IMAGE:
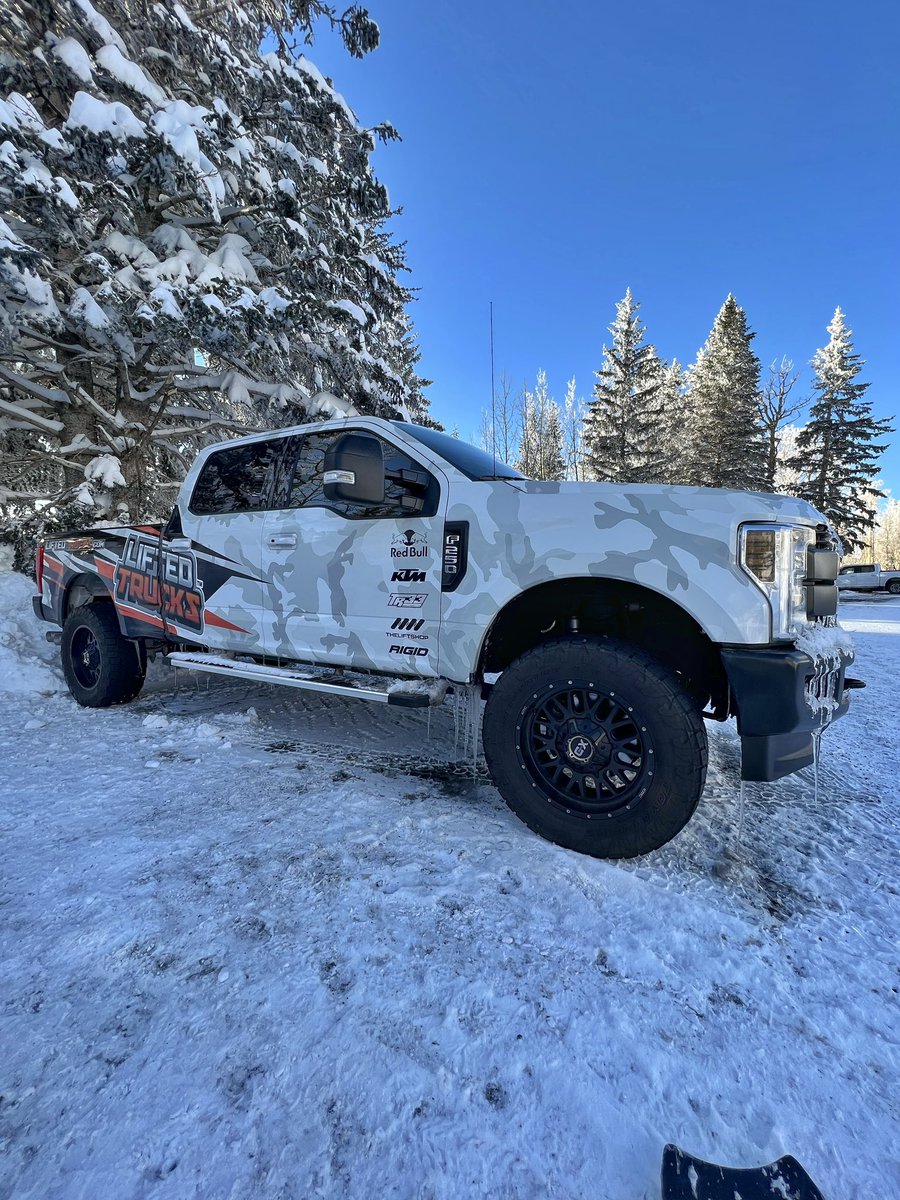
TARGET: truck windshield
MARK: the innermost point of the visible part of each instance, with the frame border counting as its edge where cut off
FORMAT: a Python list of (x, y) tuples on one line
[(475, 463)]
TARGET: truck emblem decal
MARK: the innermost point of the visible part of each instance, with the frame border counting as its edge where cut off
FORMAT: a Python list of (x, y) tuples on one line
[(412, 651), (137, 581), (455, 555), (408, 575), (407, 599), (409, 544), (406, 623)]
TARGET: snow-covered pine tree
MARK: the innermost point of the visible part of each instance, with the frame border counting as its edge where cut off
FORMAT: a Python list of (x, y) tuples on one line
[(838, 451), (670, 462), (192, 244), (541, 439), (727, 449), (528, 460), (622, 423), (553, 465), (573, 432)]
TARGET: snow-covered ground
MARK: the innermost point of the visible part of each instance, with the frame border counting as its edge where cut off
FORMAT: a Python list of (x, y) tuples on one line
[(256, 944)]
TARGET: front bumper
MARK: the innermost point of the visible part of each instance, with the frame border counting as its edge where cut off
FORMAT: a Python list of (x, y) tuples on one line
[(775, 722)]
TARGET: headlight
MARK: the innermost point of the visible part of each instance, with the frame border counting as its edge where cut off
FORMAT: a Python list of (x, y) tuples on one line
[(775, 557)]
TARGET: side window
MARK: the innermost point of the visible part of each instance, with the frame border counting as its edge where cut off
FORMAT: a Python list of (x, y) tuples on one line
[(237, 479), (309, 465), (307, 484)]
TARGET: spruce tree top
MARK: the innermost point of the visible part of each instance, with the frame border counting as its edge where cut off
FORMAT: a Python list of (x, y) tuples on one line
[(727, 449), (838, 449)]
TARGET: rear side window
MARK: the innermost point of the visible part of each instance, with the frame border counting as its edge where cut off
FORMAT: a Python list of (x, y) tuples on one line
[(237, 479)]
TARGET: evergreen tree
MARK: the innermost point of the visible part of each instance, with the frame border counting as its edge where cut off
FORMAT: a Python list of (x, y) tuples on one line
[(621, 427), (192, 245), (573, 433), (541, 440), (553, 465), (529, 456), (838, 450), (727, 449), (671, 458)]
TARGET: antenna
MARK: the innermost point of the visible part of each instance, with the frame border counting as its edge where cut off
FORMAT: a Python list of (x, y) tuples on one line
[(493, 395)]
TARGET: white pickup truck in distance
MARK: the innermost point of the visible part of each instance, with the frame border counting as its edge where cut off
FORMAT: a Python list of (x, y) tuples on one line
[(868, 577), (601, 623)]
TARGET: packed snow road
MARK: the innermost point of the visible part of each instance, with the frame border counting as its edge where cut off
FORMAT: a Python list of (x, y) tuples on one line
[(256, 944)]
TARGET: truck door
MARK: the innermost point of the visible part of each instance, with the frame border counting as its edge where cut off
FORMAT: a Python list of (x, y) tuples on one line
[(351, 584), (224, 521)]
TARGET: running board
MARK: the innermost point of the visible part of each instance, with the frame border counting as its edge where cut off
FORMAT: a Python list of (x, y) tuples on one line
[(289, 677)]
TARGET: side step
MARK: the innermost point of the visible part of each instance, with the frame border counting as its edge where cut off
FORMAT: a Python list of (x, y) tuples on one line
[(291, 677)]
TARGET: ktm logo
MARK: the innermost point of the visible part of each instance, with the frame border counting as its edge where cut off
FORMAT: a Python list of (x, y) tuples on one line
[(407, 575), (406, 623)]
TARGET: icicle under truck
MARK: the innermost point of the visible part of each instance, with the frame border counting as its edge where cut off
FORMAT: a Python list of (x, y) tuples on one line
[(601, 623)]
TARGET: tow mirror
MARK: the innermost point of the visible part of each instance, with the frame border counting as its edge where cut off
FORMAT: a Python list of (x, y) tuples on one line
[(354, 469)]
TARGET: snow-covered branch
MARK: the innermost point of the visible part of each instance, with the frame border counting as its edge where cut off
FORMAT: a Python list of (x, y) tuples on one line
[(45, 424)]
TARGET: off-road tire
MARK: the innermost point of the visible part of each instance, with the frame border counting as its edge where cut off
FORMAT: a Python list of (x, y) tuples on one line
[(100, 665), (894, 587), (631, 711)]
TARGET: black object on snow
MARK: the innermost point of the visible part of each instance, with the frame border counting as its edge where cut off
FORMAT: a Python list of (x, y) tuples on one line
[(687, 1178)]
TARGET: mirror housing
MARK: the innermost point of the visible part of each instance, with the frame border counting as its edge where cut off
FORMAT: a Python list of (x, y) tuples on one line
[(354, 469)]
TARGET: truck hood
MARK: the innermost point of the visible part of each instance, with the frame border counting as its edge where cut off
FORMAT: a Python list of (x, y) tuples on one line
[(729, 504)]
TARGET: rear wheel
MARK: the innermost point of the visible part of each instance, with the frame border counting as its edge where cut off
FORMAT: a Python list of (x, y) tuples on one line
[(100, 665), (894, 587), (596, 746)]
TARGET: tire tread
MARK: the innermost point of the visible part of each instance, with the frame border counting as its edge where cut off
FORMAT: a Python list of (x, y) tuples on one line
[(590, 837), (123, 669)]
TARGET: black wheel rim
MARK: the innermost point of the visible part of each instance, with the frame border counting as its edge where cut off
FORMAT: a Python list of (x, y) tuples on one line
[(85, 654), (587, 750)]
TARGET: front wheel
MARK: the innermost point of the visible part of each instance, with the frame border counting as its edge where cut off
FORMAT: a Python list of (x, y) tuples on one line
[(100, 665), (894, 587), (596, 746)]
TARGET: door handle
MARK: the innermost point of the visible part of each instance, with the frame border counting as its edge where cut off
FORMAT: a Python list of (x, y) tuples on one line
[(283, 540)]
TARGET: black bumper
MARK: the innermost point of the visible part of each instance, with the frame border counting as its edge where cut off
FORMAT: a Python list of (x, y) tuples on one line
[(40, 610), (774, 720)]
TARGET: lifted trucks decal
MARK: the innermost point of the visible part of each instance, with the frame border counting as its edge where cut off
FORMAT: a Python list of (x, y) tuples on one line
[(137, 581)]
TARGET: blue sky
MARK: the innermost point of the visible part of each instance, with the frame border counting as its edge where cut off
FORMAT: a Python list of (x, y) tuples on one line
[(554, 155)]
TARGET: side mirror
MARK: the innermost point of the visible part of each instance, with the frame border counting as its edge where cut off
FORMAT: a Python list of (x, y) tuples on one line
[(354, 469)]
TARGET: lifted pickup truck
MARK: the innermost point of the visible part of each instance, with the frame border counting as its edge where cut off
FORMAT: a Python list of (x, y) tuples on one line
[(868, 577), (601, 623)]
